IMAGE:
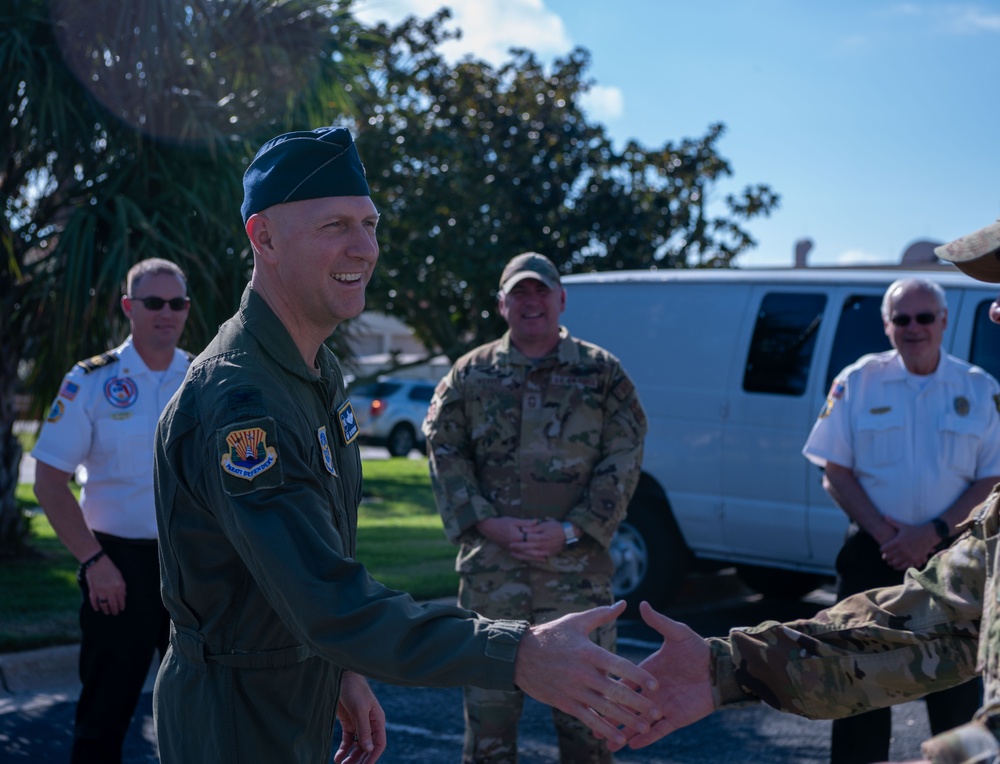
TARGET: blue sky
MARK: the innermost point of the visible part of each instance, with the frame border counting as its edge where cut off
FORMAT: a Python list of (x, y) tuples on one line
[(877, 122)]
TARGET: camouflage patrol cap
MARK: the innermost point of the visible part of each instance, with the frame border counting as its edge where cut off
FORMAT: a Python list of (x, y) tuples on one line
[(529, 265), (977, 253)]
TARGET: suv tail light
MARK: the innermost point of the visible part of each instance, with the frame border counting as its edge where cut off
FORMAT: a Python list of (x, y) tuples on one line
[(378, 407)]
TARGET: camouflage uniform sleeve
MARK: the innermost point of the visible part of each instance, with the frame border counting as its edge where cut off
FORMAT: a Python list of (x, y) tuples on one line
[(874, 649), (449, 451), (615, 476)]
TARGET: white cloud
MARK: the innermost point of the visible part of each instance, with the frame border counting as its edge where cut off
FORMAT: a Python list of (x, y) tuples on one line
[(969, 19), (857, 257), (904, 9), (951, 18), (603, 102), (489, 27)]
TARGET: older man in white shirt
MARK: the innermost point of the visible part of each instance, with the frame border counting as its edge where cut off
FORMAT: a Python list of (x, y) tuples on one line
[(910, 442)]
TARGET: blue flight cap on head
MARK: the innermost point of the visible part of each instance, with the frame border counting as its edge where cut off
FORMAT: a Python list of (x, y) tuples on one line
[(308, 164)]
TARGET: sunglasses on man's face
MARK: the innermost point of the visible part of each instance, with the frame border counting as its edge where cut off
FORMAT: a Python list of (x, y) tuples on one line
[(157, 303), (924, 319)]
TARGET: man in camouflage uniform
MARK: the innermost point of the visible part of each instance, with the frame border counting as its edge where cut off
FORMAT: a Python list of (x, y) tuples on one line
[(535, 444), (878, 648)]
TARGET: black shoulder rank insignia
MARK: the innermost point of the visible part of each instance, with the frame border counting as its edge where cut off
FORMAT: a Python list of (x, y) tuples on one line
[(97, 361), (348, 424), (243, 396)]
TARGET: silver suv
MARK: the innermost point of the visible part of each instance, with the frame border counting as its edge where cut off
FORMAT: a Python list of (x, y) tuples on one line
[(390, 411)]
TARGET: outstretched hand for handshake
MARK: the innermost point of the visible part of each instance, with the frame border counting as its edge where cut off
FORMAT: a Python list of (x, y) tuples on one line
[(557, 664), (681, 669)]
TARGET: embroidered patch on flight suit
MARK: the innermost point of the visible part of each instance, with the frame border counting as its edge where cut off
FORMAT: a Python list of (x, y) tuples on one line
[(56, 412), (248, 463), (121, 392), (324, 447), (962, 405), (348, 424)]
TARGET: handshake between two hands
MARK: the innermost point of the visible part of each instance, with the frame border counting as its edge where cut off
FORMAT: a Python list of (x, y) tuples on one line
[(557, 664)]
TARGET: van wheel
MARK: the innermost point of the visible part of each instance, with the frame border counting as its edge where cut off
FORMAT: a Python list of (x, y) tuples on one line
[(777, 583), (401, 440), (649, 554)]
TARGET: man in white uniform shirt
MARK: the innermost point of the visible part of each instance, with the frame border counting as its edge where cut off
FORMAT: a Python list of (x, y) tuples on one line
[(909, 440), (104, 418)]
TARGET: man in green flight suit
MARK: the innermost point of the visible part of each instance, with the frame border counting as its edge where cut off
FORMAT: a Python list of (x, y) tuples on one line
[(937, 629), (258, 480)]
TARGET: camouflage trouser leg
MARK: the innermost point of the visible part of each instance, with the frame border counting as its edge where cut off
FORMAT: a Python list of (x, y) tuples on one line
[(537, 596)]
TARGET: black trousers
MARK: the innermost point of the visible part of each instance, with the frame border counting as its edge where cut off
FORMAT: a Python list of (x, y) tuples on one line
[(116, 652), (865, 738)]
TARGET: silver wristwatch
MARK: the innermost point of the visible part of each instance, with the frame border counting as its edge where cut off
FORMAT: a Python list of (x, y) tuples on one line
[(570, 533)]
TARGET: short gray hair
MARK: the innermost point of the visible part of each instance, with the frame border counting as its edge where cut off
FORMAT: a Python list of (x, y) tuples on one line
[(922, 284), (150, 267)]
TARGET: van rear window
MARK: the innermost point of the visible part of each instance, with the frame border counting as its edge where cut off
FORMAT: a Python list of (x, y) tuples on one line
[(859, 333), (784, 339)]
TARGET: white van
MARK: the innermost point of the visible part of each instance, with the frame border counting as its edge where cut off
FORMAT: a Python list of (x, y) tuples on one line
[(732, 368)]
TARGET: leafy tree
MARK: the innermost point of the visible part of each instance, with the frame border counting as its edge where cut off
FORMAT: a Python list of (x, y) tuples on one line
[(129, 126), (473, 164)]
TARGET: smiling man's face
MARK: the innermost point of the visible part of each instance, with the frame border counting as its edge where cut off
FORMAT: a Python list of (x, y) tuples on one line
[(531, 310), (919, 340), (327, 252)]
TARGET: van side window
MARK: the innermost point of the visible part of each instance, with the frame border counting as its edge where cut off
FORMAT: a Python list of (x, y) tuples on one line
[(859, 332), (984, 351), (783, 342)]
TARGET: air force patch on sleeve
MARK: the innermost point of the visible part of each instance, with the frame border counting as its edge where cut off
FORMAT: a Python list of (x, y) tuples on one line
[(246, 459), (348, 424)]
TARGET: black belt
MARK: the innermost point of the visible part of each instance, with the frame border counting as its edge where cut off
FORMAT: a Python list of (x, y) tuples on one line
[(108, 538)]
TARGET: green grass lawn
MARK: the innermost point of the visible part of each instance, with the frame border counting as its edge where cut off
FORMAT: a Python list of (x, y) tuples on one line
[(400, 541)]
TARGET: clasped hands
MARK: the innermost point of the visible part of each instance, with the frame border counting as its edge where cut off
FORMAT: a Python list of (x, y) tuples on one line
[(909, 546), (524, 539)]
